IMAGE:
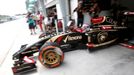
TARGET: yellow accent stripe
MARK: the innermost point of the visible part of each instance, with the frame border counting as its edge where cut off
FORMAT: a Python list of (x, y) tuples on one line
[(54, 38)]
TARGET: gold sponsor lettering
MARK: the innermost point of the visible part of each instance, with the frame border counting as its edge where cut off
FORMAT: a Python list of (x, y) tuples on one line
[(72, 38)]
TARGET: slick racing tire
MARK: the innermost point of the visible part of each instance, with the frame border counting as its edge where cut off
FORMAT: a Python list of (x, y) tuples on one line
[(102, 36), (51, 55)]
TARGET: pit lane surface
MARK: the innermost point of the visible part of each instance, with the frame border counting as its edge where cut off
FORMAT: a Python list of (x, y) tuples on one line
[(114, 60)]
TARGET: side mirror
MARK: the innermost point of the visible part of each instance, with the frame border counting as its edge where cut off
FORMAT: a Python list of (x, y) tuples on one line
[(23, 46), (42, 35)]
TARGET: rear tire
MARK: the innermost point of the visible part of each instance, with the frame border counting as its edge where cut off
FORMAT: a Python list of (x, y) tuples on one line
[(51, 55), (102, 36)]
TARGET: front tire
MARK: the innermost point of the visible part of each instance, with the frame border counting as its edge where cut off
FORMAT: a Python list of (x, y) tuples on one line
[(51, 55)]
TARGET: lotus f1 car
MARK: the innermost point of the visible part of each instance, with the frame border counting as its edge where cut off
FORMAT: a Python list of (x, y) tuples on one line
[(105, 31)]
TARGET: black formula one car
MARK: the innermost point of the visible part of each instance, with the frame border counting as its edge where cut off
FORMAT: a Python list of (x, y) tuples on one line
[(105, 31)]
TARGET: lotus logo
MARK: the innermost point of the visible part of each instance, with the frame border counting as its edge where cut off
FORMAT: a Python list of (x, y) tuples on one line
[(72, 38)]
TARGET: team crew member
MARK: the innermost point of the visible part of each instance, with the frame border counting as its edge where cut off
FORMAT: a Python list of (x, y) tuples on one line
[(104, 7), (80, 16), (40, 20), (31, 23)]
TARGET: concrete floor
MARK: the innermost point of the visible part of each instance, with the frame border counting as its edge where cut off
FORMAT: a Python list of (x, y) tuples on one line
[(114, 60)]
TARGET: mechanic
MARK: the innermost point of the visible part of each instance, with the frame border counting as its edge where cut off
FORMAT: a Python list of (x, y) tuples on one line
[(84, 10), (104, 7), (80, 16)]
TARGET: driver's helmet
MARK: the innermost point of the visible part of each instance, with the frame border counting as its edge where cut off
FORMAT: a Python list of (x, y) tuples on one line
[(85, 27), (71, 25)]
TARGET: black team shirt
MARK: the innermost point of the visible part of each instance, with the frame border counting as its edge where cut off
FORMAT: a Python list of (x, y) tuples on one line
[(104, 4), (79, 12)]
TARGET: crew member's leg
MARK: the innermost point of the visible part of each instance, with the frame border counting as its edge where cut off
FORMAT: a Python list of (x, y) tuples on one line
[(40, 25)]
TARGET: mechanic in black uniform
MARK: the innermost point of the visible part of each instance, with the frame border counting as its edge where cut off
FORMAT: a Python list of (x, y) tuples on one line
[(80, 16), (104, 7)]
